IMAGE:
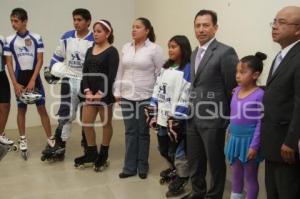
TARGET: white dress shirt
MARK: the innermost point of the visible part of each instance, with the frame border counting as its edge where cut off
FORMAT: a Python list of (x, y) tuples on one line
[(200, 53), (285, 51), (138, 70), (280, 56), (206, 45)]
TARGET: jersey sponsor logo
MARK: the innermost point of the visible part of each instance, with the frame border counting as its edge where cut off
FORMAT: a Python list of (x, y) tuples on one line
[(75, 61), (23, 51), (162, 94), (163, 89), (75, 56)]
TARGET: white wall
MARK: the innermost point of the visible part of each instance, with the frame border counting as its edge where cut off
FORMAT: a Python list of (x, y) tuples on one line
[(51, 19), (243, 24)]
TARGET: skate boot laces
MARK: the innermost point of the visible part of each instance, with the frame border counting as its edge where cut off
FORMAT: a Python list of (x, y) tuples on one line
[(23, 144), (5, 140)]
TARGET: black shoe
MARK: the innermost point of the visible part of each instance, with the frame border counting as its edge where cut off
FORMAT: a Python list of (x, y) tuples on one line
[(178, 183), (125, 175), (143, 175)]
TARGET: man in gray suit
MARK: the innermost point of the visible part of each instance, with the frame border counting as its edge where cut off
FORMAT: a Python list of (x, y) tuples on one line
[(212, 80), (280, 130)]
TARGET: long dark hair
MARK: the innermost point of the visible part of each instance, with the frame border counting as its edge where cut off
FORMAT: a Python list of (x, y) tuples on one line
[(185, 48), (148, 25)]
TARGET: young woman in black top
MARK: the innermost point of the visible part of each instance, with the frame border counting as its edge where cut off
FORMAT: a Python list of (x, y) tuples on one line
[(99, 72)]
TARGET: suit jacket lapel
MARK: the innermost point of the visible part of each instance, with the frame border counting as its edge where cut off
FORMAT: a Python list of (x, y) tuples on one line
[(283, 63), (207, 56)]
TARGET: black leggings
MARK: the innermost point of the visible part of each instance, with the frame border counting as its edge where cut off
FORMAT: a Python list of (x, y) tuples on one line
[(167, 148)]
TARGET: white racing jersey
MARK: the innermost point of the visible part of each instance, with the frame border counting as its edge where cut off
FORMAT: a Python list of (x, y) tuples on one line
[(171, 93), (24, 49), (72, 50)]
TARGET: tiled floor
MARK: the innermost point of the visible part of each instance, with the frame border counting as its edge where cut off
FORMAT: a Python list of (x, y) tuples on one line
[(34, 179)]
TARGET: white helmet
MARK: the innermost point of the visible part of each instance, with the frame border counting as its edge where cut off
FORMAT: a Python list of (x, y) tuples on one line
[(30, 97), (59, 69)]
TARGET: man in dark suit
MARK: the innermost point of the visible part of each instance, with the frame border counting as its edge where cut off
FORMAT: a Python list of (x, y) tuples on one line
[(280, 131), (212, 80)]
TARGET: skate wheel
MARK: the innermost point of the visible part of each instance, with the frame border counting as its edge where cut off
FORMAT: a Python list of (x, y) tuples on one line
[(174, 193), (58, 157), (54, 159), (15, 148), (43, 158), (103, 167), (61, 158), (79, 166), (99, 169)]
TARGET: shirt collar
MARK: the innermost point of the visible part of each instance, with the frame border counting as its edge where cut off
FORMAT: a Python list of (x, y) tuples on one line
[(146, 43), (285, 51), (89, 32), (206, 45), (23, 35)]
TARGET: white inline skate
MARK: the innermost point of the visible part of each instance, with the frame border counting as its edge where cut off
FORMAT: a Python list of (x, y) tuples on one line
[(23, 147), (8, 143)]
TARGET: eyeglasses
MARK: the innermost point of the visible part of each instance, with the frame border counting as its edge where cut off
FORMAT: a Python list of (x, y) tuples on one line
[(282, 23)]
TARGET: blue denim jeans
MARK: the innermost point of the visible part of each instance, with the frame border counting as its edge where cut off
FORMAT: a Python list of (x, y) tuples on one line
[(137, 137)]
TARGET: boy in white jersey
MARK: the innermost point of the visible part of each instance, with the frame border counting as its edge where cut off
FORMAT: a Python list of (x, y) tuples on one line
[(4, 97), (26, 48), (71, 51)]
